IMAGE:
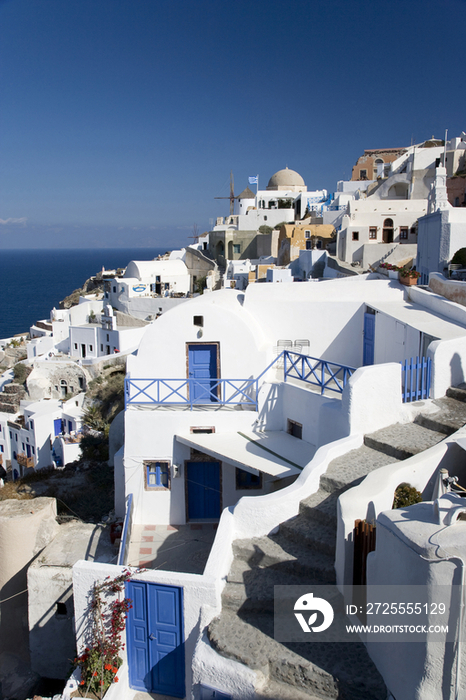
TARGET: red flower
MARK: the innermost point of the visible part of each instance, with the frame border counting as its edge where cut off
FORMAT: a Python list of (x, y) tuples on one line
[(81, 683), (116, 679), (95, 673)]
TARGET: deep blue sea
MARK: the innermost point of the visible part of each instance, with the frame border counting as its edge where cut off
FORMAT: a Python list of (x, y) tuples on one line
[(32, 282)]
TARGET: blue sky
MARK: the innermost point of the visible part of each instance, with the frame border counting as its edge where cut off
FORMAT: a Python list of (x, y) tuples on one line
[(120, 120)]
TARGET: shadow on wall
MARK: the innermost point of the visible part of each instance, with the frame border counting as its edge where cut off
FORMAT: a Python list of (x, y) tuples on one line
[(456, 370)]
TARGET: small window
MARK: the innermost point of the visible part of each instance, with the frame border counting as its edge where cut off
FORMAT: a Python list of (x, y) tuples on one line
[(24, 446), (16, 437), (307, 234), (1, 448), (157, 475), (11, 435), (373, 233), (90, 348), (457, 202), (363, 174), (101, 347), (198, 321), (31, 425), (108, 337), (202, 430), (355, 235), (61, 609), (33, 450), (236, 248), (246, 480), (295, 429), (114, 290), (403, 232)]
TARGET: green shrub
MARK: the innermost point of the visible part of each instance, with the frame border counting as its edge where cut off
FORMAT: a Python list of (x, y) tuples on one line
[(21, 373), (265, 229), (406, 495), (459, 257)]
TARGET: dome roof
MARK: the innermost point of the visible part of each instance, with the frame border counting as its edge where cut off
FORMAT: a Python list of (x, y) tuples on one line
[(285, 179)]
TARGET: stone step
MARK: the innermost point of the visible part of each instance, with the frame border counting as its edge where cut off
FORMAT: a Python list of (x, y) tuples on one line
[(319, 537), (450, 417), (8, 408), (279, 550), (457, 392), (324, 671), (253, 589), (321, 506), (350, 469), (10, 399), (14, 389), (403, 440)]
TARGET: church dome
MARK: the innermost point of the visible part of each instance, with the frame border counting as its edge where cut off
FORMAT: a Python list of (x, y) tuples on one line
[(286, 180)]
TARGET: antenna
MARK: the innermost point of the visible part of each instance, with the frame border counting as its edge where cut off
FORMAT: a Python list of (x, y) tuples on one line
[(232, 194)]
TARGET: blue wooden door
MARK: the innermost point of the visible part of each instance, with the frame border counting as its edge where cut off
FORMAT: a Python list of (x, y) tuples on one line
[(155, 639), (369, 339), (202, 363), (57, 426), (203, 490)]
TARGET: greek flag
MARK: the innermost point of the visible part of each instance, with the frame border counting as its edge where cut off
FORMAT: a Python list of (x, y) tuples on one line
[(254, 180)]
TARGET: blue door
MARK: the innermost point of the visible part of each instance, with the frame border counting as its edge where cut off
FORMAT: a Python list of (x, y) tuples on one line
[(57, 426), (203, 490), (369, 339), (202, 362), (155, 639)]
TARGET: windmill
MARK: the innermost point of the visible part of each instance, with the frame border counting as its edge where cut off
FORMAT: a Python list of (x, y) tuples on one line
[(232, 194)]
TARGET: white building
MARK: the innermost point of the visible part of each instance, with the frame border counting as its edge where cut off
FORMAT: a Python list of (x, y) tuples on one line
[(109, 333), (44, 434), (148, 285), (207, 432), (387, 216)]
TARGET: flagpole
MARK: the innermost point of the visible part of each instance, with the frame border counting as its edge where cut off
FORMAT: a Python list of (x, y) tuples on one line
[(257, 185)]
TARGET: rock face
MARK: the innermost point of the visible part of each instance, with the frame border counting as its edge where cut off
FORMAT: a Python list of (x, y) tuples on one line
[(93, 285)]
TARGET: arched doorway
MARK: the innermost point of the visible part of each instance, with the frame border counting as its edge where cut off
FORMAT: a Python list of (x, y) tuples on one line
[(387, 234)]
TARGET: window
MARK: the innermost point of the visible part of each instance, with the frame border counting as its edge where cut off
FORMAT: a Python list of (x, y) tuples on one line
[(101, 347), (295, 429), (33, 450), (355, 235), (1, 448), (75, 346), (246, 480), (198, 321), (201, 430), (457, 202), (24, 447), (61, 609), (90, 348), (108, 337), (363, 174), (237, 248), (16, 437), (157, 475), (373, 233), (307, 234), (31, 425), (11, 435), (114, 290), (403, 232)]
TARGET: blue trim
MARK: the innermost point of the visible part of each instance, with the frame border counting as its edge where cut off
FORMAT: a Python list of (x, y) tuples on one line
[(329, 376), (416, 379), (124, 534)]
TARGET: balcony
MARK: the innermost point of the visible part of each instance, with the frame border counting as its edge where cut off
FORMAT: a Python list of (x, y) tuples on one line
[(25, 461), (315, 374)]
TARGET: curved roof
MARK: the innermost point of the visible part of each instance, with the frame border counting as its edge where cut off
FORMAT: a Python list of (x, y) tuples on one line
[(284, 179)]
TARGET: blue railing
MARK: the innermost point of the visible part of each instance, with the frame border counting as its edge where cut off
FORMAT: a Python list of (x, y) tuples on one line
[(328, 376), (416, 379), (226, 392)]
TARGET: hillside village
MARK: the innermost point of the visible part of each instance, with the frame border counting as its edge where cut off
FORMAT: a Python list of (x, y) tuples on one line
[(254, 397)]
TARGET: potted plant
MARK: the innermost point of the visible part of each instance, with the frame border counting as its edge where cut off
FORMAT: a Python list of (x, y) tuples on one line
[(409, 277)]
